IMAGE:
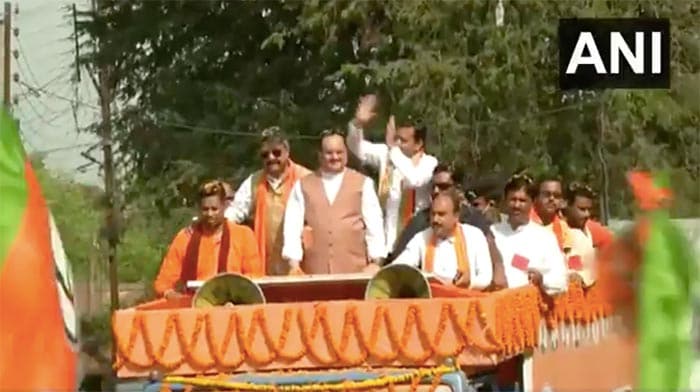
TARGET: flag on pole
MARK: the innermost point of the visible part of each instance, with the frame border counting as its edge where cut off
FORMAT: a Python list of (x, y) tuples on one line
[(38, 325), (650, 275), (667, 276)]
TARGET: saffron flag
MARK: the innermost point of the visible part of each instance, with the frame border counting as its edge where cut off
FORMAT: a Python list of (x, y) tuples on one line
[(38, 325), (667, 276)]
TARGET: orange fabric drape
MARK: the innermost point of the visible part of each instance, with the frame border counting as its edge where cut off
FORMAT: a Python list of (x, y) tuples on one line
[(460, 249), (557, 227), (600, 234), (261, 189), (408, 205)]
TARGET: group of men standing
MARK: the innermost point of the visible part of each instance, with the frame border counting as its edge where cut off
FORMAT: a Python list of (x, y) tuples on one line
[(286, 219)]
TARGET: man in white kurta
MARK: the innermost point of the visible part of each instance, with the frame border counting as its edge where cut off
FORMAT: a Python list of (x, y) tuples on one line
[(582, 255), (445, 263), (531, 247), (405, 170), (262, 197), (342, 209)]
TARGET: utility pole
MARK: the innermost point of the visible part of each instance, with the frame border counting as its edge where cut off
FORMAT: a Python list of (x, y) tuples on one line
[(7, 33), (104, 87)]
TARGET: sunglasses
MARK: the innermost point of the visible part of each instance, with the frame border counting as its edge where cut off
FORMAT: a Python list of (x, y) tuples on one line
[(548, 195), (443, 186), (276, 153)]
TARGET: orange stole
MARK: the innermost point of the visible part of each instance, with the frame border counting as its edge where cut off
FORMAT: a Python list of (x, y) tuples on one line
[(556, 227), (262, 187), (407, 204), (460, 249)]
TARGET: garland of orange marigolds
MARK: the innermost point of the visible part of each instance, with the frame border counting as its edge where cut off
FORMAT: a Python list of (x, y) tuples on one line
[(514, 328)]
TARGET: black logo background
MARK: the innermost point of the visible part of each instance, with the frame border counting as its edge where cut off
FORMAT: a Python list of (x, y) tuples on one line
[(586, 77)]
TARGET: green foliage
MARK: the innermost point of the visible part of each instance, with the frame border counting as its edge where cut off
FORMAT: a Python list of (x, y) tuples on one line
[(76, 210), (77, 219), (198, 80), (145, 241)]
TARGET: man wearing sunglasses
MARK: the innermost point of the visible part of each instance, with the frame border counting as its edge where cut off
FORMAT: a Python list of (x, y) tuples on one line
[(342, 210), (262, 198), (546, 210), (404, 166), (445, 179)]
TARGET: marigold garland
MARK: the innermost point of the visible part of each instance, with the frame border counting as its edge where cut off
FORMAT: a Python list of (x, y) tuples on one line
[(515, 328), (415, 376)]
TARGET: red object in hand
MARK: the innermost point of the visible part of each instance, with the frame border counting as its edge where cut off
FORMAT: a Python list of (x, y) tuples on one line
[(520, 262), (575, 263)]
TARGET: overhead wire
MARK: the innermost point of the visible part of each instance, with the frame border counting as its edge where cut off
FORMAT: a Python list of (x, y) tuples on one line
[(210, 130)]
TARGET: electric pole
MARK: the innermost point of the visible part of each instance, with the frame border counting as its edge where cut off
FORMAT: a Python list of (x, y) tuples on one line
[(7, 33), (105, 91)]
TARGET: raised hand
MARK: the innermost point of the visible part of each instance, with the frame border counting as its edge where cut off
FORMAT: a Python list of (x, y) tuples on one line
[(365, 111)]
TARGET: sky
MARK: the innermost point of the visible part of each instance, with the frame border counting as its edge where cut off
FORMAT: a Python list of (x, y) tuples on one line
[(49, 102)]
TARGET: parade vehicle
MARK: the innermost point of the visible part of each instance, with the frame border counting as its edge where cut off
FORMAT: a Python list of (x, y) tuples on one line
[(399, 330)]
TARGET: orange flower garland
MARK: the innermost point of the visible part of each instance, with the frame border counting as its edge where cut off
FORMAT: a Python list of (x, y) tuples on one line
[(514, 328), (339, 350)]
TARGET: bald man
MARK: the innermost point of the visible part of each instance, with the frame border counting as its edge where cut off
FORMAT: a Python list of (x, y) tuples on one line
[(342, 210)]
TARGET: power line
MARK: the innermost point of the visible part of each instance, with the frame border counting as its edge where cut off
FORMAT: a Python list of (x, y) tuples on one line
[(210, 130), (64, 148)]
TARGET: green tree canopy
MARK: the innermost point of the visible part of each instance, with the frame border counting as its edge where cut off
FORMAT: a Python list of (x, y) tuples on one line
[(196, 82)]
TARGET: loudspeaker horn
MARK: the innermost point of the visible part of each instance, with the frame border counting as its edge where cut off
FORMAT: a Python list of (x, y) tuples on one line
[(228, 289), (398, 281)]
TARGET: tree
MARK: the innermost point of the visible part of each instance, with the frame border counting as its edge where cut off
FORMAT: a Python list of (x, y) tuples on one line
[(200, 82)]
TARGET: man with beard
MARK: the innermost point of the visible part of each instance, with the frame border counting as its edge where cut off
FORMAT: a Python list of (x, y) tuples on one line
[(342, 210), (584, 241), (445, 179), (404, 166), (263, 196), (210, 246), (530, 251), (547, 205), (456, 253)]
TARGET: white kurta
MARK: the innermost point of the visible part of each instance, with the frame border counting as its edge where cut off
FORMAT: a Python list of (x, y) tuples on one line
[(445, 263), (405, 175), (582, 246), (538, 245), (296, 208)]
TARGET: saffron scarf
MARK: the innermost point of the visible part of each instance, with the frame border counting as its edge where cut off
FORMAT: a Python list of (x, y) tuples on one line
[(460, 245), (290, 176), (189, 266), (408, 197), (558, 227)]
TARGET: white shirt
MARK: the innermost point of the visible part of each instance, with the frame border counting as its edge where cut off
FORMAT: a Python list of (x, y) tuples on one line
[(239, 210), (537, 244), (405, 174), (582, 246), (371, 215), (445, 257)]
